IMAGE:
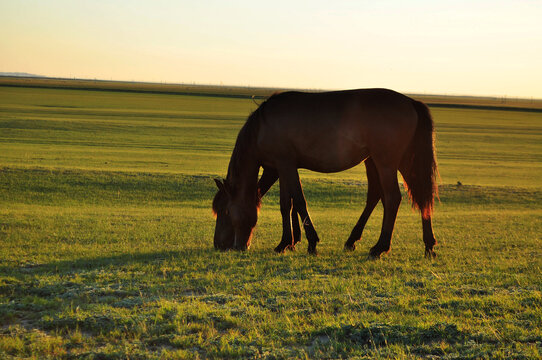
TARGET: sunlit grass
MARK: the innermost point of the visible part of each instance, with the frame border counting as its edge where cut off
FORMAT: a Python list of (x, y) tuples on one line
[(106, 241)]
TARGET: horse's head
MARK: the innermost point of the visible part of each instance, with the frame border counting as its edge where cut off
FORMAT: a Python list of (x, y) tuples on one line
[(235, 218)]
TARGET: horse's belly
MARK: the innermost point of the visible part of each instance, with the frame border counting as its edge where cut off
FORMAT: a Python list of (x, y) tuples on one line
[(327, 152), (333, 159)]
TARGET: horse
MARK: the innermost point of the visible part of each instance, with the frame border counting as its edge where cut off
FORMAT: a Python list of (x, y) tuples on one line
[(329, 132)]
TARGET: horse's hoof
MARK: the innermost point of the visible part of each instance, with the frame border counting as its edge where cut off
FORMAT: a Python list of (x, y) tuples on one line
[(376, 253), (312, 251), (430, 254), (280, 248), (349, 247), (290, 247)]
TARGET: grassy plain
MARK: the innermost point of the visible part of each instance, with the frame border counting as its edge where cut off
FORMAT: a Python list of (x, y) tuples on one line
[(106, 241), (245, 91)]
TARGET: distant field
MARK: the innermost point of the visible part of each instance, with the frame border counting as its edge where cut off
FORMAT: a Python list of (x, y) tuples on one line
[(106, 238), (110, 131), (247, 91)]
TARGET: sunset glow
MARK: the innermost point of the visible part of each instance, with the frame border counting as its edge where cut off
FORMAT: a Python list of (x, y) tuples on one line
[(445, 47)]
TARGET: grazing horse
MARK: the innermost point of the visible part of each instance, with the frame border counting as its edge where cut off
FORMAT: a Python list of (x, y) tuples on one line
[(328, 132)]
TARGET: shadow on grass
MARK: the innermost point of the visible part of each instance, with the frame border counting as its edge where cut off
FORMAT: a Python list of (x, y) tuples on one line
[(44, 294), (85, 264), (421, 339), (155, 269), (378, 334)]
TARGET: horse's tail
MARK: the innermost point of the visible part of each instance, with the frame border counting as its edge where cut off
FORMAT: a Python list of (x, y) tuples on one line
[(421, 171)]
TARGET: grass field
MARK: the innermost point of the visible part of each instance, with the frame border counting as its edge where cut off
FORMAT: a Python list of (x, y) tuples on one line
[(106, 241)]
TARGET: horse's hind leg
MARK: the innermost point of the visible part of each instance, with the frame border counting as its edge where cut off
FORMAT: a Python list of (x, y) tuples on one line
[(427, 224), (391, 199), (373, 197), (428, 237)]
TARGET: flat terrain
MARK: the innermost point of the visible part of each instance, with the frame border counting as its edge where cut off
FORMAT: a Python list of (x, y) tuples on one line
[(241, 92), (106, 240)]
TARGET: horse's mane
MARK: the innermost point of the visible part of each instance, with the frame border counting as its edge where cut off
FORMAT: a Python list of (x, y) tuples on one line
[(244, 144), (246, 140), (244, 147)]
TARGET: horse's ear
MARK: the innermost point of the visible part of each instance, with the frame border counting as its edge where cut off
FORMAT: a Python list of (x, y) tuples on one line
[(219, 184), (223, 185)]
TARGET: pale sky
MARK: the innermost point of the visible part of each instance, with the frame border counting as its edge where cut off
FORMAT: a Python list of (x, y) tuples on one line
[(435, 47)]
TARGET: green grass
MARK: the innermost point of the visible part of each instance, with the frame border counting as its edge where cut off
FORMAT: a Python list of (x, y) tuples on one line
[(106, 241)]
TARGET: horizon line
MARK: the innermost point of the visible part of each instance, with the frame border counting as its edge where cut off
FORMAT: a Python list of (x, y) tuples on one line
[(23, 75)]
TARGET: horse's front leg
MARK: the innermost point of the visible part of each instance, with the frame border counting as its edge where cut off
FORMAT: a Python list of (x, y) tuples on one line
[(269, 177), (300, 204), (285, 210), (296, 229), (291, 190)]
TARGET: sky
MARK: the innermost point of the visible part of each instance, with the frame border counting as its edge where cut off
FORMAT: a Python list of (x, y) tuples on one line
[(491, 48)]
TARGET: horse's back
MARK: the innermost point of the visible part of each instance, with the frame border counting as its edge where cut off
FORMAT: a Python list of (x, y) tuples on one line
[(333, 131)]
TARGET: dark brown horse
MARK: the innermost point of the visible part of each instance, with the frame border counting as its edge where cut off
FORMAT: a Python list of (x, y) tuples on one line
[(328, 132)]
